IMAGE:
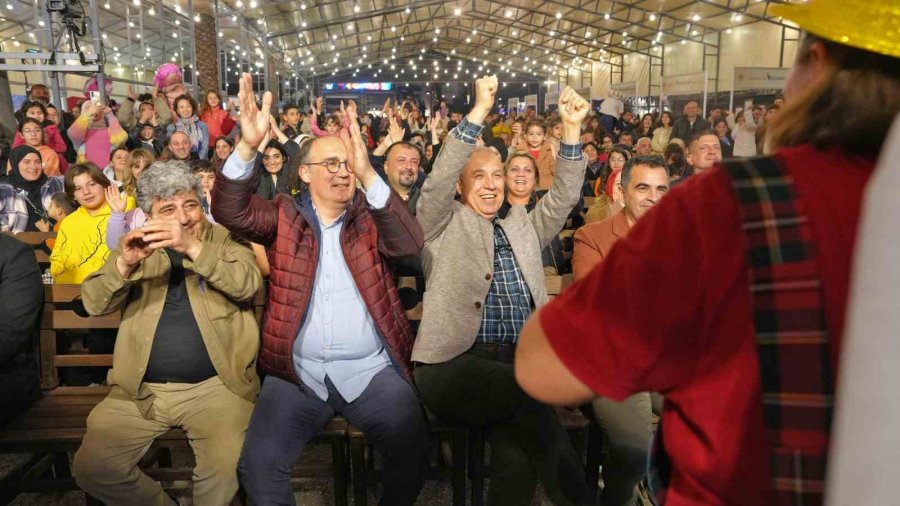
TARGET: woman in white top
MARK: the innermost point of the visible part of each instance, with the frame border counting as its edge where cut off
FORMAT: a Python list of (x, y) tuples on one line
[(663, 133), (743, 132)]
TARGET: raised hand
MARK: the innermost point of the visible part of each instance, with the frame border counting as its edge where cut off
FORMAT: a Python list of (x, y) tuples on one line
[(254, 121), (435, 122), (132, 251), (572, 111), (357, 154), (116, 199), (168, 233), (92, 108), (387, 106), (485, 90), (396, 133), (131, 94)]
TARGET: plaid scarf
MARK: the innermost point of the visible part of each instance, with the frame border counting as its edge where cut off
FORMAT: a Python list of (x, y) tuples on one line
[(790, 335)]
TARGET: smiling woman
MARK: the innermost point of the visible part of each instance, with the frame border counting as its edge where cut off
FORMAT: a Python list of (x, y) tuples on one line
[(31, 190)]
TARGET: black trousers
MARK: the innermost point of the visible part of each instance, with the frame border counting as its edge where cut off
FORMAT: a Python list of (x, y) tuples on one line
[(527, 441)]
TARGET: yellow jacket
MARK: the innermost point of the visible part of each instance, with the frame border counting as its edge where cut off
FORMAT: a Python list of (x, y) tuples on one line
[(80, 247)]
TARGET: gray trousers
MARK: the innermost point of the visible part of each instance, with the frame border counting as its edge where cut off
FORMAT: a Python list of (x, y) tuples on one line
[(626, 444)]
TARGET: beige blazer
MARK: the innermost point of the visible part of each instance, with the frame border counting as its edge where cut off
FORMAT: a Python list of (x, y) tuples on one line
[(458, 257)]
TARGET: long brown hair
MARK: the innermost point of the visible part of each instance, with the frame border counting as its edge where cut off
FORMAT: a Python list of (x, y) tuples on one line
[(204, 103), (852, 108)]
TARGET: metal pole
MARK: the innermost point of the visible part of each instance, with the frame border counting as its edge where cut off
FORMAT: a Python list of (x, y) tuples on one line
[(98, 48), (128, 38), (222, 83), (194, 71), (143, 46), (162, 30), (51, 47), (733, 77)]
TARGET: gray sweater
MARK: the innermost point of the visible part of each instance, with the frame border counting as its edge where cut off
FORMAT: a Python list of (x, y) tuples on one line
[(458, 257)]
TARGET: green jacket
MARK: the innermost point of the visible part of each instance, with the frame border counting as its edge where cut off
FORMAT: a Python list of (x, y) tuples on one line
[(221, 284)]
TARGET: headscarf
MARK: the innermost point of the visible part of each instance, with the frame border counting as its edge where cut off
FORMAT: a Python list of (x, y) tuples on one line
[(31, 188), (190, 127), (16, 156)]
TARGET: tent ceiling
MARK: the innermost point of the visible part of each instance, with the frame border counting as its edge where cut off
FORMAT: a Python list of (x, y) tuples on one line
[(324, 37)]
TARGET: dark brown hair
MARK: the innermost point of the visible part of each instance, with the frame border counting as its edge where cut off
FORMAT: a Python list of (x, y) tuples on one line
[(189, 99)]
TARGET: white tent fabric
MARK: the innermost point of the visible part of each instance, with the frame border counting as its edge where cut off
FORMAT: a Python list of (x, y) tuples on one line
[(865, 451)]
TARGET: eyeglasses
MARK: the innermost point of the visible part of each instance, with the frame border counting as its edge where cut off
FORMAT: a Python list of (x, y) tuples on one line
[(333, 165)]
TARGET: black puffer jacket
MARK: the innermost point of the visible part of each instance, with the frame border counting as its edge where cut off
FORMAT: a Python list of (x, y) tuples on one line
[(21, 300)]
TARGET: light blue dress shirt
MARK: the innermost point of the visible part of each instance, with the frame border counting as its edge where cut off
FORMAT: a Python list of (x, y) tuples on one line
[(338, 338)]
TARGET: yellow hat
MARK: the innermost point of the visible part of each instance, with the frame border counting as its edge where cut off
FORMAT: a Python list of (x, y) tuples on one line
[(871, 25)]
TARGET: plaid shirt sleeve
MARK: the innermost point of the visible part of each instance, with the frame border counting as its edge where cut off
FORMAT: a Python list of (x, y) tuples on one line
[(467, 131), (13, 210), (570, 152)]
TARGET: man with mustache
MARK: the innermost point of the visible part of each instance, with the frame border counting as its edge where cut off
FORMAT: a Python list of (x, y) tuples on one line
[(484, 276)]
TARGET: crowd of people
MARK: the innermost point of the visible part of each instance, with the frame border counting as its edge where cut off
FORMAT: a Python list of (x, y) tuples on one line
[(177, 213)]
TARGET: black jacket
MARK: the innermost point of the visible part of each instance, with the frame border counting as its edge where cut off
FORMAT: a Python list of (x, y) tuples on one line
[(21, 302)]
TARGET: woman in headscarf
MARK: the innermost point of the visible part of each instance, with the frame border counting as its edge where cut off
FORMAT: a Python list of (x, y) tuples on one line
[(33, 135), (31, 187)]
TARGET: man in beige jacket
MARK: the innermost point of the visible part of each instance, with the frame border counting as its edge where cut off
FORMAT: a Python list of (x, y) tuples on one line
[(186, 348), (484, 276)]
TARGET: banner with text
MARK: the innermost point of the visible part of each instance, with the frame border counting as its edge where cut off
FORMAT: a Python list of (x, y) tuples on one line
[(759, 78), (684, 84), (626, 89)]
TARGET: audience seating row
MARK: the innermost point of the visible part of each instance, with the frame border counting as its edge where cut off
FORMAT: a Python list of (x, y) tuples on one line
[(52, 429)]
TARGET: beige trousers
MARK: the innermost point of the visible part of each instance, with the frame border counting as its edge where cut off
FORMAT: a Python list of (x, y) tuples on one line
[(214, 418)]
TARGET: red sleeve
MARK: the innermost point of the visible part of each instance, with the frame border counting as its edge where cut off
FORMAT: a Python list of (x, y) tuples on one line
[(54, 139), (227, 124), (635, 324)]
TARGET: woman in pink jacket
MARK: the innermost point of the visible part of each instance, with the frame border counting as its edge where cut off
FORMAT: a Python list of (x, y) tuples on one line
[(95, 133)]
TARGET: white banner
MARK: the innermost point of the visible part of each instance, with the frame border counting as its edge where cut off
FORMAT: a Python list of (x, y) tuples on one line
[(551, 99), (584, 93), (531, 101), (684, 84), (513, 104), (626, 89), (759, 78)]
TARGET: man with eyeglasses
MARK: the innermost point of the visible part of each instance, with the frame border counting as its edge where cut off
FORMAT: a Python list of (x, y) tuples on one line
[(335, 339)]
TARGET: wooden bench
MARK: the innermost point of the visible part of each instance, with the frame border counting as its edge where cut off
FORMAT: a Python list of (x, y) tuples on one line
[(54, 426), (37, 242)]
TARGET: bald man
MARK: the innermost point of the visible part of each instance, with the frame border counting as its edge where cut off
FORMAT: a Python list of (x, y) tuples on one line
[(484, 275)]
